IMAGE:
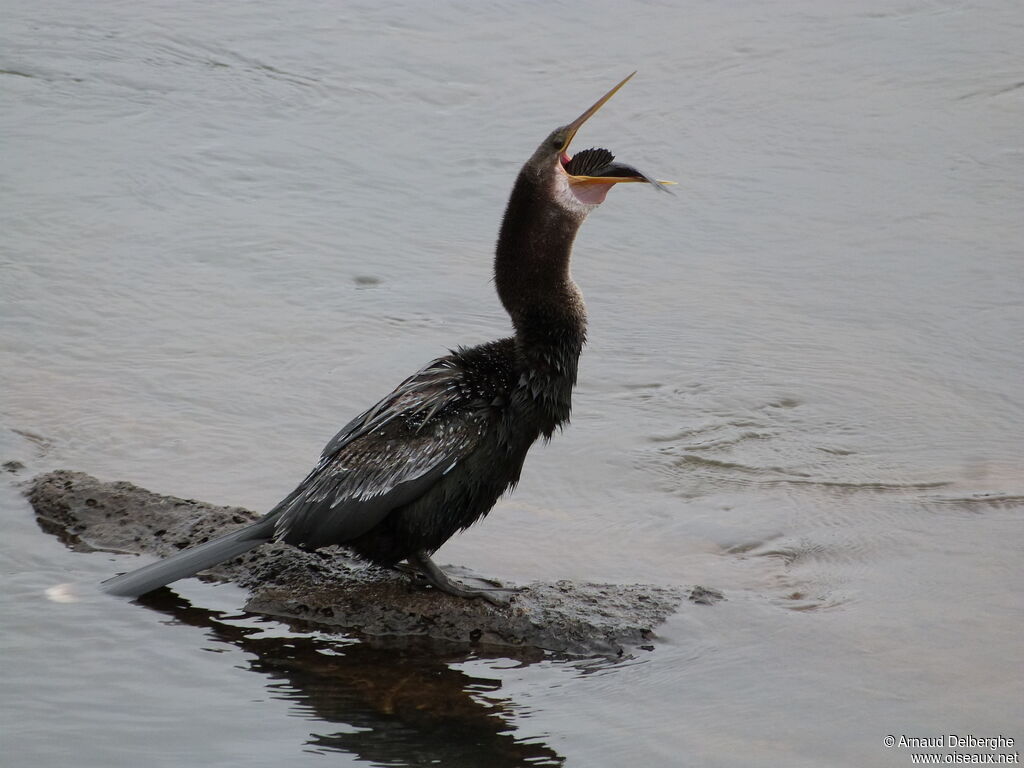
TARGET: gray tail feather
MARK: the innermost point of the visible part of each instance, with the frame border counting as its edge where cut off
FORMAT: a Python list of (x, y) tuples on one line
[(190, 561)]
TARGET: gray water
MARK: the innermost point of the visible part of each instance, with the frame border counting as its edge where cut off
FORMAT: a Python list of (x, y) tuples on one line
[(229, 227)]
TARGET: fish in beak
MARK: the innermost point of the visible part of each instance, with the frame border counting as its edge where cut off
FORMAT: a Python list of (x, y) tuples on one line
[(592, 172)]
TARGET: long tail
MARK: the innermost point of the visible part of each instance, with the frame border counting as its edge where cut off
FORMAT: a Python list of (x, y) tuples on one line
[(190, 561)]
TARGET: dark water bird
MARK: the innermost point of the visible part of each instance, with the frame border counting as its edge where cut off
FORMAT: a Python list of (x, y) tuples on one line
[(433, 457)]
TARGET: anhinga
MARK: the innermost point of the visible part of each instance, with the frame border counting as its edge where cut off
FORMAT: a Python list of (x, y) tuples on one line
[(433, 457)]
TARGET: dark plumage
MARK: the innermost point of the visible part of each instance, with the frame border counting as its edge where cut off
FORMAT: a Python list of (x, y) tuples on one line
[(433, 456)]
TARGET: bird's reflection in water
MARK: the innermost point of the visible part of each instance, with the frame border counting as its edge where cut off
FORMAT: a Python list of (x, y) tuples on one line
[(399, 701)]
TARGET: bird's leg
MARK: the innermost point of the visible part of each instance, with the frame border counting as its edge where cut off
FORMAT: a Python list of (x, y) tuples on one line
[(411, 571), (417, 578), (440, 580)]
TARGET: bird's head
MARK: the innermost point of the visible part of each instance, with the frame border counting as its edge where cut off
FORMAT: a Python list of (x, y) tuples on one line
[(579, 182)]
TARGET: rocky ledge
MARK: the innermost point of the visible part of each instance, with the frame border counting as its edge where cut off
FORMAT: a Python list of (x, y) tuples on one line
[(330, 588)]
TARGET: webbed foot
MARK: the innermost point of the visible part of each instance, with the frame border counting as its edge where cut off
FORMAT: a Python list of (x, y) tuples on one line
[(421, 566)]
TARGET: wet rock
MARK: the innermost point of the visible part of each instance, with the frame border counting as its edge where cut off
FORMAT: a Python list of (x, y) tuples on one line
[(328, 587), (705, 595)]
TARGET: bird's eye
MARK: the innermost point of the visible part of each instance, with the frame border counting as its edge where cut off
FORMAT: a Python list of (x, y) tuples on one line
[(558, 141)]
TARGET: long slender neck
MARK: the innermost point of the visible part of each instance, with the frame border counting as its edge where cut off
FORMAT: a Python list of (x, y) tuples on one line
[(531, 265), (531, 274)]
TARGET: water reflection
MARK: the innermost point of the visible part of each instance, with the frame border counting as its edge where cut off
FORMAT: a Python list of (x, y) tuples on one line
[(399, 701)]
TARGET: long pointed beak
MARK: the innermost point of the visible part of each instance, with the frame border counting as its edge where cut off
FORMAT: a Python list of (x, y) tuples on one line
[(622, 173), (636, 177), (574, 126)]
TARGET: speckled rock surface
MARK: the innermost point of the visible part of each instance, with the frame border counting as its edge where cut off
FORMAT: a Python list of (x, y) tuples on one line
[(332, 589)]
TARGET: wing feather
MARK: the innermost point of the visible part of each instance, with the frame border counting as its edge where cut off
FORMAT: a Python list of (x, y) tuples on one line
[(385, 458)]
